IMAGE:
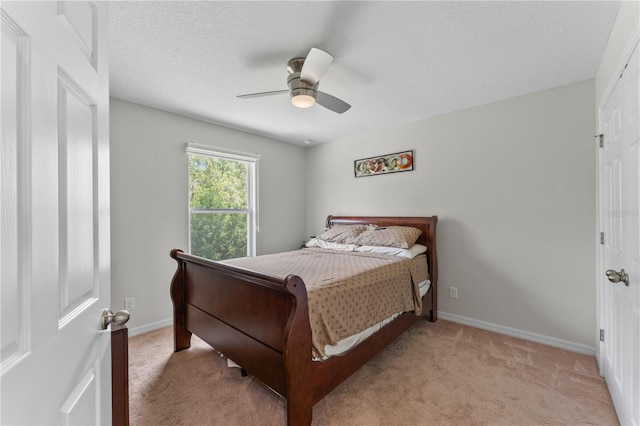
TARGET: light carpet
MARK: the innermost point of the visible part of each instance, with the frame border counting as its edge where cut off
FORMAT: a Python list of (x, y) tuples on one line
[(436, 373)]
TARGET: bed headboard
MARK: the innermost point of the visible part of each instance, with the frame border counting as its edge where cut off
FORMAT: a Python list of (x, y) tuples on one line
[(426, 224)]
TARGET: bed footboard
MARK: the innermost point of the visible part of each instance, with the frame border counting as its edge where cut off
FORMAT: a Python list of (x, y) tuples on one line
[(258, 321)]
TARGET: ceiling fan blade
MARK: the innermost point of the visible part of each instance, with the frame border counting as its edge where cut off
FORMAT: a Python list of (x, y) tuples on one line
[(260, 94), (332, 103), (315, 65)]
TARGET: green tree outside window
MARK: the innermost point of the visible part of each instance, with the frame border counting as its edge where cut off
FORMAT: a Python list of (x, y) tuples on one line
[(219, 207)]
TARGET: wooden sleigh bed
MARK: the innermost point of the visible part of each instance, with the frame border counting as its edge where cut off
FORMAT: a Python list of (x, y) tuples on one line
[(261, 322)]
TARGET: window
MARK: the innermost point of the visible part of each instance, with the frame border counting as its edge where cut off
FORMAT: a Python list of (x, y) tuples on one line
[(222, 203)]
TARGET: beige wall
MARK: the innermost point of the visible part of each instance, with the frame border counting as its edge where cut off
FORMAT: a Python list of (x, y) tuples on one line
[(149, 215), (513, 183)]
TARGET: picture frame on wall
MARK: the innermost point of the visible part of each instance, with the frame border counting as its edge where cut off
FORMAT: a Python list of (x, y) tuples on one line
[(384, 164)]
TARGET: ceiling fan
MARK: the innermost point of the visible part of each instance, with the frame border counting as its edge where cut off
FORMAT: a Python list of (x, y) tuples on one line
[(304, 77)]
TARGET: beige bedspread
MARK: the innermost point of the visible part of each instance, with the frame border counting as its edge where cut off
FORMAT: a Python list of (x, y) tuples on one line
[(347, 291)]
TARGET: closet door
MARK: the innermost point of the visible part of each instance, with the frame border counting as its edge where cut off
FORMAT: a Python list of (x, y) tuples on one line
[(620, 210)]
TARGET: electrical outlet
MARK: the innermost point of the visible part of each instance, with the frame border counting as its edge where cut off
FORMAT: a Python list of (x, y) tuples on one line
[(453, 292), (129, 303)]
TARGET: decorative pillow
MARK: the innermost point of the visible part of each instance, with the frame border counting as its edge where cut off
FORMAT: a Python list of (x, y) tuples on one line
[(389, 236), (314, 242), (344, 234), (411, 252)]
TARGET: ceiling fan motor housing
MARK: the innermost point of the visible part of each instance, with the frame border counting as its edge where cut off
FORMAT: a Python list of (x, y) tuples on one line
[(296, 85)]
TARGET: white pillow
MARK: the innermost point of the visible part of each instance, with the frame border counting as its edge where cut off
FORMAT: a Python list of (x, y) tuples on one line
[(315, 242), (411, 252)]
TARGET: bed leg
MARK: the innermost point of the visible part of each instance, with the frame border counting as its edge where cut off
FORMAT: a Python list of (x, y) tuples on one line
[(299, 412), (433, 315), (181, 338)]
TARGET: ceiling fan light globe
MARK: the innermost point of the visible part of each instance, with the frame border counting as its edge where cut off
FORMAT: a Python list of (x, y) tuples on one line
[(303, 101)]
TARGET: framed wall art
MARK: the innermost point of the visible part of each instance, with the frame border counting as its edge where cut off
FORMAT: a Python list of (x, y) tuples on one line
[(383, 164)]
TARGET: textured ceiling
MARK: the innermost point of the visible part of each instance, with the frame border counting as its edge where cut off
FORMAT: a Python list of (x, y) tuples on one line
[(394, 61)]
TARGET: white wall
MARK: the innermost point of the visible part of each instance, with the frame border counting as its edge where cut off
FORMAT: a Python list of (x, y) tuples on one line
[(149, 194), (513, 183)]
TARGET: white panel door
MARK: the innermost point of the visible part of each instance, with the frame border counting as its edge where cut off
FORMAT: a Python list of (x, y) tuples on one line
[(619, 294), (54, 209)]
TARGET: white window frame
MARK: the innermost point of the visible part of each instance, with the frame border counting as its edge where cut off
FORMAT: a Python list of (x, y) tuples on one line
[(252, 189)]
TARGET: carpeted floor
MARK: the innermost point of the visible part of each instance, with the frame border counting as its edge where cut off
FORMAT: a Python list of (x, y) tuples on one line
[(436, 373)]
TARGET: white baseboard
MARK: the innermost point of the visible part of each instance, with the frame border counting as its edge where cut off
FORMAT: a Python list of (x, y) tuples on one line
[(526, 335), (150, 327)]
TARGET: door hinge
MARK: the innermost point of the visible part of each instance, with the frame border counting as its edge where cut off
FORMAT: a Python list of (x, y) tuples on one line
[(601, 335), (601, 140), (602, 238)]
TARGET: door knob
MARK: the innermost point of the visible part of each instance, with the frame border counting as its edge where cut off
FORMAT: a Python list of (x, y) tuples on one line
[(109, 317), (616, 277)]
